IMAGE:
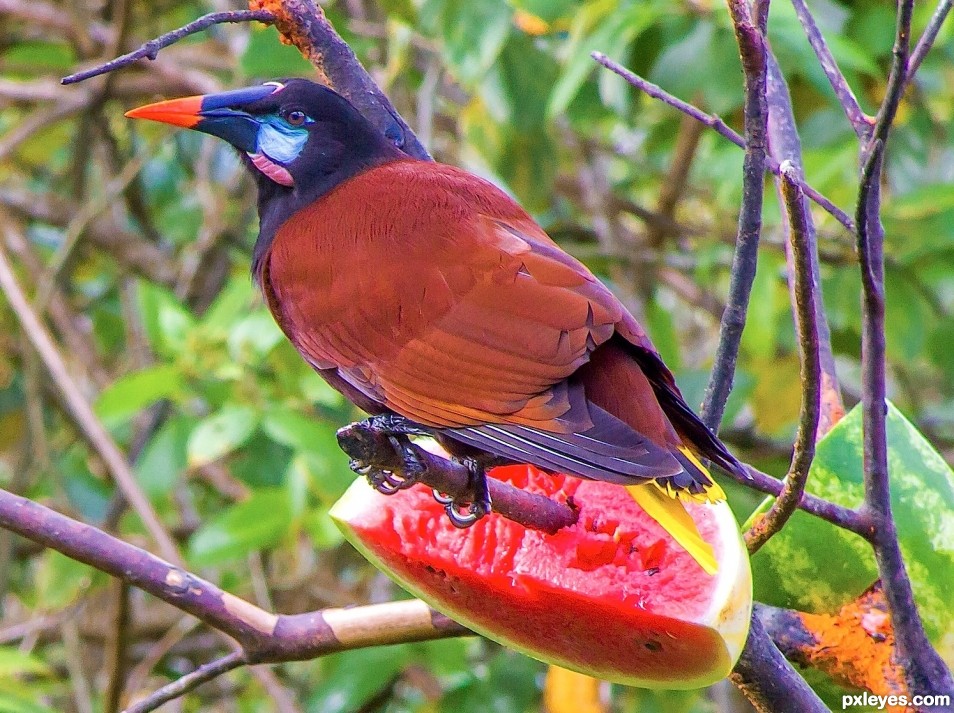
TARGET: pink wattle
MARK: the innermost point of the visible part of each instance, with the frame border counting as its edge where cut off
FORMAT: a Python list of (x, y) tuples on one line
[(275, 172)]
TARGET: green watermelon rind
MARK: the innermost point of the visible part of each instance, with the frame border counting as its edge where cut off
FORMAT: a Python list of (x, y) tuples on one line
[(814, 566), (729, 614)]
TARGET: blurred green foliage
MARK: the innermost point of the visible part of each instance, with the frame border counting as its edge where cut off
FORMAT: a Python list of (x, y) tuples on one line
[(233, 435)]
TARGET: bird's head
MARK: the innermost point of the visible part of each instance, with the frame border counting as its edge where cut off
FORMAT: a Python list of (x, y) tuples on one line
[(296, 135)]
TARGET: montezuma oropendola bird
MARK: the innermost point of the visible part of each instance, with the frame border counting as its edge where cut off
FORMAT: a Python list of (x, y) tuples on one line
[(419, 290)]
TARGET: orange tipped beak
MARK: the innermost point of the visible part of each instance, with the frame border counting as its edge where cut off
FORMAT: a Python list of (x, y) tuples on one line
[(183, 112)]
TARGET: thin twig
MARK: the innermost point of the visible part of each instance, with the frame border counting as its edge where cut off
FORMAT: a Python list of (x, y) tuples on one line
[(82, 695), (720, 127), (860, 122), (151, 48), (927, 39), (839, 515), (116, 664), (926, 671), (744, 261), (89, 424), (189, 682), (806, 325), (785, 145)]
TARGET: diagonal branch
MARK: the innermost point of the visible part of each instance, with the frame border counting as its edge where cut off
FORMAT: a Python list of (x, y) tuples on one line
[(927, 39), (151, 49), (720, 127), (189, 682), (860, 122), (264, 637), (807, 328)]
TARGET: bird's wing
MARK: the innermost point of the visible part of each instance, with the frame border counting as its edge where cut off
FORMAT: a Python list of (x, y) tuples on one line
[(482, 337)]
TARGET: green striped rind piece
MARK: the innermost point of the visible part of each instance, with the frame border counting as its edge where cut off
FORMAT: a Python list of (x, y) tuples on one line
[(814, 566)]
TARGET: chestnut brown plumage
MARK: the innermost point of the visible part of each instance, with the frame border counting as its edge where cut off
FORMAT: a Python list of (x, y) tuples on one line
[(418, 289)]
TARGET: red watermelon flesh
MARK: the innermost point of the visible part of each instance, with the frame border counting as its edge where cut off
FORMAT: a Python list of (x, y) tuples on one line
[(612, 596)]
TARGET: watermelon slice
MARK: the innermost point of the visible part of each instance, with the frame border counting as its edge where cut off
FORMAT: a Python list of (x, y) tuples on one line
[(612, 596)]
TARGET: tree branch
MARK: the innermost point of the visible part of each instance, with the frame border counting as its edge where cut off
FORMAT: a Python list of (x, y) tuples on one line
[(151, 48), (744, 261), (927, 39), (720, 127), (785, 145), (860, 122), (264, 637), (189, 682), (926, 671), (806, 326)]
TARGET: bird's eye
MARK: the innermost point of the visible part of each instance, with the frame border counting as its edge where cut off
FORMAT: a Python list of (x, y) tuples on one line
[(296, 117)]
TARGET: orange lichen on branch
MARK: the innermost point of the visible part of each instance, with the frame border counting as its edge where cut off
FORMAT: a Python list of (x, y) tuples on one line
[(832, 407), (856, 646)]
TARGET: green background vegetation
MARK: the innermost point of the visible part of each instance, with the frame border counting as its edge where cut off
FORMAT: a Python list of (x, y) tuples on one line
[(145, 279)]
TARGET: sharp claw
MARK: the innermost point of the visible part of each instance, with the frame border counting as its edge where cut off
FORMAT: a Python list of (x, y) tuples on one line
[(442, 498), (359, 467), (460, 520)]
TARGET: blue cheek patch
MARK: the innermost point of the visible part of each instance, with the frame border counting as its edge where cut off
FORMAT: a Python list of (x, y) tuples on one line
[(281, 142)]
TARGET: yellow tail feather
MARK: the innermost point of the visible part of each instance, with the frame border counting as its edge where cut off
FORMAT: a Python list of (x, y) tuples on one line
[(674, 519), (712, 493)]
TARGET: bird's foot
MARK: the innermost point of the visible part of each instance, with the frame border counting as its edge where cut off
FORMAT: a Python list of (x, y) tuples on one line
[(465, 512), (381, 451)]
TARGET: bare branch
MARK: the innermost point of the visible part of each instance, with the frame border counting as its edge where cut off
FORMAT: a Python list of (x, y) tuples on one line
[(151, 48), (860, 122), (759, 675), (855, 646), (926, 672), (189, 682), (927, 39), (265, 637), (721, 128), (785, 145), (744, 261), (807, 328)]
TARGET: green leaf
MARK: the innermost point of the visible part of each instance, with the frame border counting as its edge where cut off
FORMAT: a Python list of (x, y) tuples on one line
[(17, 663), (165, 320), (352, 678), (164, 458), (266, 57), (20, 699), (60, 581), (134, 391), (814, 566), (220, 434), (473, 33), (252, 338), (296, 430), (606, 26), (257, 523)]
